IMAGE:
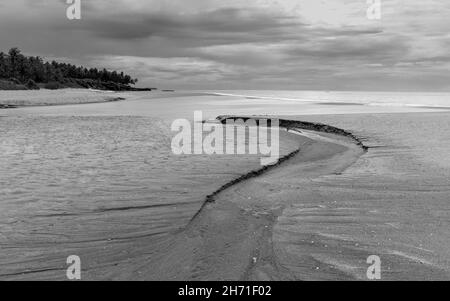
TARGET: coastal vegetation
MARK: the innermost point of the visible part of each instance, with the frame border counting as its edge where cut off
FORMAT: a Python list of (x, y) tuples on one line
[(20, 72)]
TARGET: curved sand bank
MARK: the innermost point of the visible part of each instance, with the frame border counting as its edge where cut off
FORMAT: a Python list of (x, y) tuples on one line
[(303, 221), (318, 216), (307, 221), (231, 237)]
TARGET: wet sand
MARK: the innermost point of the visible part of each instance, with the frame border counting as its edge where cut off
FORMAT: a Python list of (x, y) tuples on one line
[(107, 189), (225, 240), (233, 237), (316, 216)]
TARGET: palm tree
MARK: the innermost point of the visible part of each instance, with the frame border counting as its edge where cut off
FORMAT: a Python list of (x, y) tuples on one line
[(3, 66), (14, 55)]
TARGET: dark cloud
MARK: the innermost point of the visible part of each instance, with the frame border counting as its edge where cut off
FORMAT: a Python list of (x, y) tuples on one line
[(220, 26), (212, 43)]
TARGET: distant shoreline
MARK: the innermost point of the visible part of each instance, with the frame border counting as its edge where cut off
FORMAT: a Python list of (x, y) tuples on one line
[(14, 99), (5, 107)]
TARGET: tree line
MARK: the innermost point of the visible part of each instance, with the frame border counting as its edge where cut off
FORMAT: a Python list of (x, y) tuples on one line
[(15, 65)]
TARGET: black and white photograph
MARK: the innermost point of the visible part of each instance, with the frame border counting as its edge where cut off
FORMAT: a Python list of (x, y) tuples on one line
[(194, 141)]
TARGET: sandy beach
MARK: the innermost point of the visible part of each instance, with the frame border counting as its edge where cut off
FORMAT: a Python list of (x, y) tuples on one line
[(233, 237), (349, 186), (27, 98), (219, 233), (317, 218)]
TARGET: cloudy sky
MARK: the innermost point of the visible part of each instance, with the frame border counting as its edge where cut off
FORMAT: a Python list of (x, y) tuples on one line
[(235, 44)]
